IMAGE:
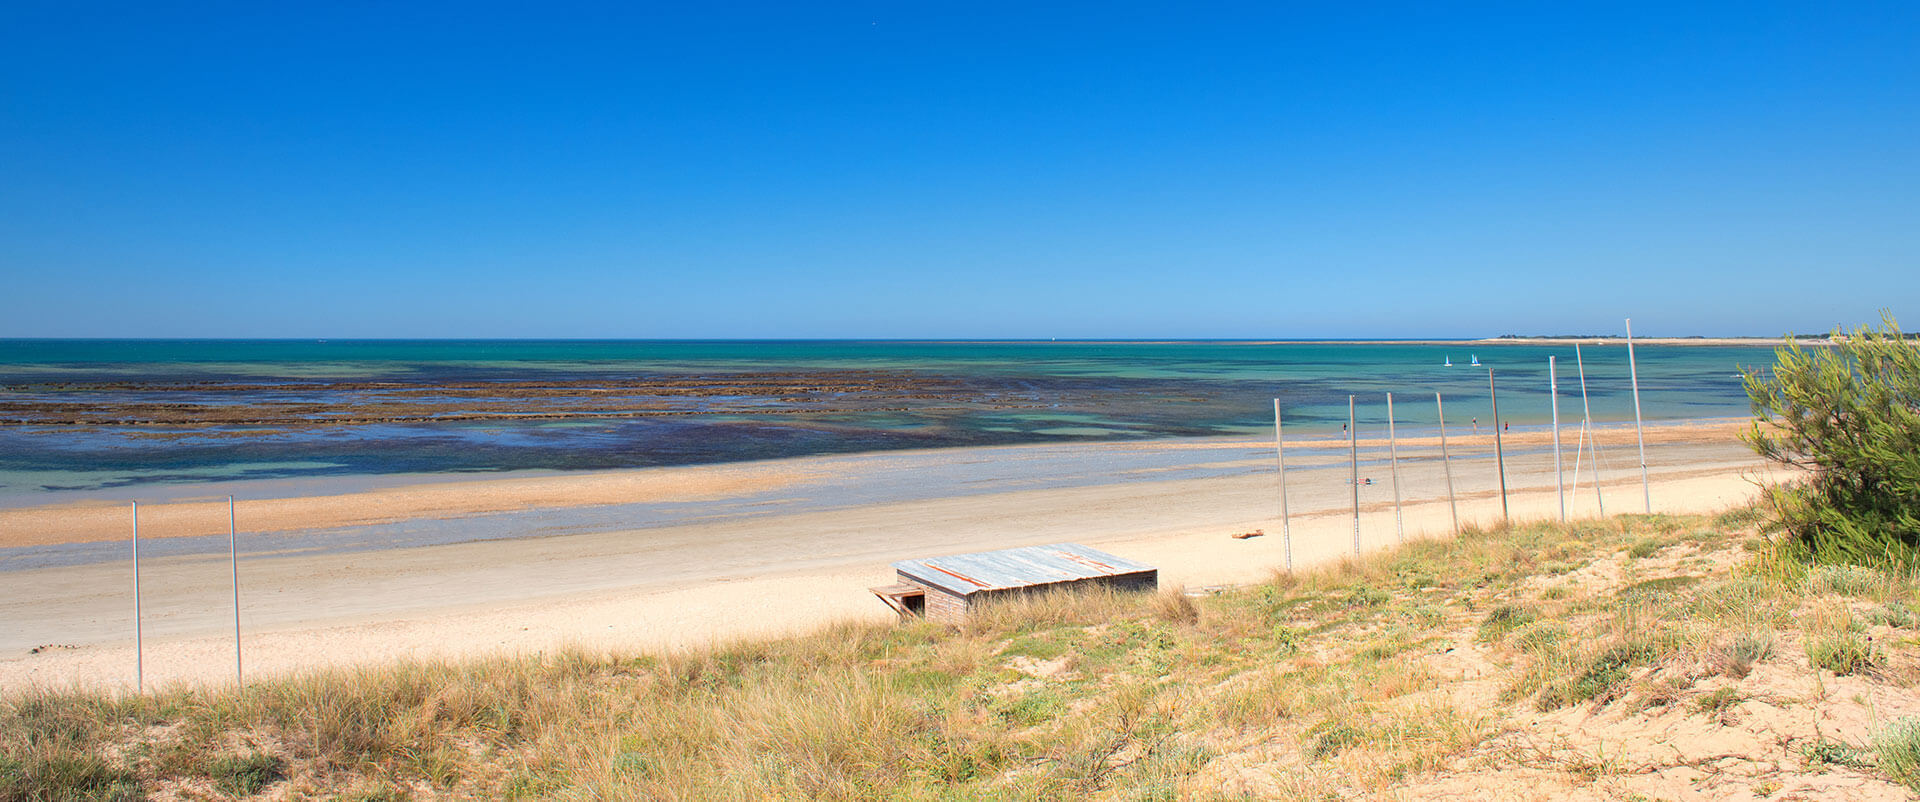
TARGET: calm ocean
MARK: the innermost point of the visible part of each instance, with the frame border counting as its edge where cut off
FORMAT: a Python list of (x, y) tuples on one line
[(81, 414)]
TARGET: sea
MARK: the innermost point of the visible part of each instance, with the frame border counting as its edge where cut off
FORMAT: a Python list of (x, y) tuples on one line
[(81, 416)]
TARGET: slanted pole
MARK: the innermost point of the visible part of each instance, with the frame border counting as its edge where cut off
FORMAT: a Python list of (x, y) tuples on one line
[(139, 651), (1592, 440), (1579, 439), (1446, 462), (233, 557), (1499, 451), (1633, 370), (1353, 463), (1280, 455), (1559, 467), (1393, 460)]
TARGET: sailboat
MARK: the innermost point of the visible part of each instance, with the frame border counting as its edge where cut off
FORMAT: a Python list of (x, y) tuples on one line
[(1476, 360), (1449, 363)]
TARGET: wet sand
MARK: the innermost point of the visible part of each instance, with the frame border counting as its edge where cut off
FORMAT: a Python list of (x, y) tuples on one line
[(701, 581), (97, 521), (94, 521)]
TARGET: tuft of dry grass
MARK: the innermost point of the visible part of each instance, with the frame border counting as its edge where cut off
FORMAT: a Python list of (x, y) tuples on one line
[(1174, 606)]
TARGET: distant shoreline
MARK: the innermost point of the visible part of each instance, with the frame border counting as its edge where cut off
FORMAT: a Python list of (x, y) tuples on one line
[(1503, 340), (1686, 340), (1612, 340)]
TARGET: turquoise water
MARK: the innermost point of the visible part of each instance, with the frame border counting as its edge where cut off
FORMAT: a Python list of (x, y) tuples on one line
[(976, 393)]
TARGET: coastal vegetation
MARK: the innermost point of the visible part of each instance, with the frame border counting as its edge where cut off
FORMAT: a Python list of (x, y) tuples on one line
[(1649, 655), (1848, 418)]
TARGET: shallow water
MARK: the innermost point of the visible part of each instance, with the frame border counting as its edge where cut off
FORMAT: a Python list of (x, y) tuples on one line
[(939, 394)]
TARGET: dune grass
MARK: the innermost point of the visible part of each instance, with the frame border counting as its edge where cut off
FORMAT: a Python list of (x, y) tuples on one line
[(1324, 679)]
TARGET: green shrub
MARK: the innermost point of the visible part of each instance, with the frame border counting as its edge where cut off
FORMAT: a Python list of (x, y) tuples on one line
[(1738, 517), (1331, 738), (1718, 702), (1601, 678), (1644, 548), (1503, 619), (1849, 416), (1898, 747), (1663, 586), (1842, 653), (67, 776), (1287, 640), (1894, 614), (1846, 580), (244, 775), (1833, 753), (1540, 637), (1031, 708), (1366, 596), (1746, 650)]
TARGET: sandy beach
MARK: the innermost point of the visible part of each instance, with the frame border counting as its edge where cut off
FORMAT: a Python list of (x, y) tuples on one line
[(795, 565)]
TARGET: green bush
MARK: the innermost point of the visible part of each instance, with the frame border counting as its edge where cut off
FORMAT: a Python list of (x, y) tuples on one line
[(1718, 702), (1843, 653), (1848, 415), (1367, 596), (1600, 681), (1504, 619), (1331, 738), (1898, 747), (244, 775), (67, 776), (1894, 614), (1847, 580), (1832, 753)]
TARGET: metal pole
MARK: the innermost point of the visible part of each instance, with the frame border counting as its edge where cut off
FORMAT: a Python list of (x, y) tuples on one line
[(1580, 439), (1453, 505), (1559, 467), (233, 556), (1280, 453), (1353, 462), (1393, 459), (139, 650), (1499, 451), (1592, 440), (1633, 370)]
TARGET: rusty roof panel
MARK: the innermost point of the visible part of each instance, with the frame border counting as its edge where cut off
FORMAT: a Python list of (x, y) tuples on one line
[(1027, 566)]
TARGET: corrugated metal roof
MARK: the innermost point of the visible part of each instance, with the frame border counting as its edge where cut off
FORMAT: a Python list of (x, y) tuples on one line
[(1017, 568)]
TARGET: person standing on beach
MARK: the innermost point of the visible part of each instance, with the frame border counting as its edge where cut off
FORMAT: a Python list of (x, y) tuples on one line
[(1476, 425)]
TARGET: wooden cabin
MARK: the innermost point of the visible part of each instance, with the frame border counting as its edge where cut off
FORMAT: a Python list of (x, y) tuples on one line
[(945, 588)]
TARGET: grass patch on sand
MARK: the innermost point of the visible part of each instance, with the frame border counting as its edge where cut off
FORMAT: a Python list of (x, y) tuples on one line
[(1329, 683)]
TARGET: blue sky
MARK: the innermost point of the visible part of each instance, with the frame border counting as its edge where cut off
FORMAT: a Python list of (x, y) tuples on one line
[(956, 170)]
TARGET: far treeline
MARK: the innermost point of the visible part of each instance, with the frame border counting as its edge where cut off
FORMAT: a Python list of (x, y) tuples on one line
[(1849, 417)]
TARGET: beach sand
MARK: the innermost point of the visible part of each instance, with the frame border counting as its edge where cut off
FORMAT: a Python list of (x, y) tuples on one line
[(700, 582)]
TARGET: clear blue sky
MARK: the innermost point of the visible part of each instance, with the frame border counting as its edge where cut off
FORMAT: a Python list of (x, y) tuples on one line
[(908, 169)]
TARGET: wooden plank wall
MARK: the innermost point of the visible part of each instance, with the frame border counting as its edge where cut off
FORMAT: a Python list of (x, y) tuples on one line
[(948, 608), (942, 606)]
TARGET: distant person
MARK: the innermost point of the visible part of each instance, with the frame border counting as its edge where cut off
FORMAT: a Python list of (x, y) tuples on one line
[(1476, 425), (1506, 427), (1343, 428)]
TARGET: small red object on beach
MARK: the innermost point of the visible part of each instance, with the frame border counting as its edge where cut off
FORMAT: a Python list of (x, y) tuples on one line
[(1245, 535)]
